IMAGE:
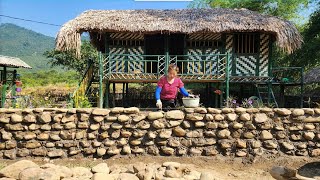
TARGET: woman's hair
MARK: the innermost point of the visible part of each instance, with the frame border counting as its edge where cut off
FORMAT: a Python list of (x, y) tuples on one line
[(173, 67)]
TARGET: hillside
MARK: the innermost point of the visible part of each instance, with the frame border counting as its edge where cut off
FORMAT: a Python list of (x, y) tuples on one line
[(26, 44)]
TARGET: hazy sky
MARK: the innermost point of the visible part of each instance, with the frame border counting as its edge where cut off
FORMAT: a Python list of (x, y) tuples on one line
[(60, 11)]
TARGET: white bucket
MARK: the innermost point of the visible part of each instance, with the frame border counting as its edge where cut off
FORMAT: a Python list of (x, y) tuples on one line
[(191, 102)]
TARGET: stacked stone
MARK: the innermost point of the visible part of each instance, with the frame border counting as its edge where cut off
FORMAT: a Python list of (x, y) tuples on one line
[(58, 133), (300, 131), (26, 170)]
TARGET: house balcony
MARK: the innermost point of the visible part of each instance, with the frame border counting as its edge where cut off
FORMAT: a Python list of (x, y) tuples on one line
[(192, 68), (149, 68)]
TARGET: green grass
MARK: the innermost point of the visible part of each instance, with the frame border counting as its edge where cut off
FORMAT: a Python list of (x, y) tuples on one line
[(44, 78)]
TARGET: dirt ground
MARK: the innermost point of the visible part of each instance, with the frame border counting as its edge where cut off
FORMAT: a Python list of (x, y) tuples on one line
[(221, 167)]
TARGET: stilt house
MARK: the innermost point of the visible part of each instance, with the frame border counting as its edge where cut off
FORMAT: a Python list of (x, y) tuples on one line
[(223, 47)]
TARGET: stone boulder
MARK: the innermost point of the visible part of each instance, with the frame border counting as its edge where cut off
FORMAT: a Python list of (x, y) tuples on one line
[(104, 176), (224, 134), (232, 116), (117, 110), (265, 135), (298, 112), (315, 152), (16, 118), (37, 173), (207, 176), (261, 118), (175, 115), (178, 131), (282, 173), (101, 168), (81, 172), (45, 117), (227, 110), (200, 110), (214, 111), (123, 118), (240, 110), (283, 111), (100, 112), (172, 164), (131, 110), (60, 171), (155, 115), (245, 117), (13, 170), (56, 153), (195, 117), (127, 176)]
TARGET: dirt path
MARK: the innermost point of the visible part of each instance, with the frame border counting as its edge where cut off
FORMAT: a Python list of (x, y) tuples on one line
[(221, 167)]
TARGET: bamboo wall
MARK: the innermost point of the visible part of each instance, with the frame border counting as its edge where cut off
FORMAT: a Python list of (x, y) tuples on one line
[(250, 53)]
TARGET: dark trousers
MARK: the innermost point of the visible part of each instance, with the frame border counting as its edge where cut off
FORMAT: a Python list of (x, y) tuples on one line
[(167, 105)]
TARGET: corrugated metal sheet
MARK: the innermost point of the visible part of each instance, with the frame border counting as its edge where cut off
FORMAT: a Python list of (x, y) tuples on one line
[(13, 62)]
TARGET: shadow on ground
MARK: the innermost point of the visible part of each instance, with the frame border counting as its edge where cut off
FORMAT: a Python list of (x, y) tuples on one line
[(311, 170)]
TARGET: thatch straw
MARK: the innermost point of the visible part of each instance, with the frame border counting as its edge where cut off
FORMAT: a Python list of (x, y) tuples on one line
[(177, 21), (312, 76), (7, 61)]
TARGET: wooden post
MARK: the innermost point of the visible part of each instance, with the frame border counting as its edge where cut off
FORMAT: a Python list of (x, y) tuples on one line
[(106, 94), (241, 91), (127, 90), (13, 89), (257, 70), (107, 52), (167, 53), (114, 94), (100, 81), (227, 78), (216, 96), (5, 74), (210, 94), (220, 96), (3, 94), (123, 90), (282, 99), (4, 87), (301, 87)]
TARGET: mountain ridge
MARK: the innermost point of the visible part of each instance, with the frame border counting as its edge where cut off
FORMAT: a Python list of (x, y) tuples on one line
[(27, 45)]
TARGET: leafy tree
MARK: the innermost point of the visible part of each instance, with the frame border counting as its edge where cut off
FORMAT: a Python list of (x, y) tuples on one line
[(68, 59), (309, 54), (287, 9)]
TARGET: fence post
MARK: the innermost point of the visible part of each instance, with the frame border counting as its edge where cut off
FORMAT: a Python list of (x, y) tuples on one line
[(301, 86), (167, 53), (3, 94), (100, 81), (227, 79)]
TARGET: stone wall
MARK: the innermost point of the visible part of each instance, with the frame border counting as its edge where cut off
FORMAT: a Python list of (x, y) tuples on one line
[(59, 133)]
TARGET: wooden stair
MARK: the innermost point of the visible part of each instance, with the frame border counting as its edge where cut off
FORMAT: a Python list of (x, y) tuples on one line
[(266, 95)]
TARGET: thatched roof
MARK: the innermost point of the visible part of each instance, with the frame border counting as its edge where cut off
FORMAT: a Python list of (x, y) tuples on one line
[(312, 76), (13, 62), (188, 21)]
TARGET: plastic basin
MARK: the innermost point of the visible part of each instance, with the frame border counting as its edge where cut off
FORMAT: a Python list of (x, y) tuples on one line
[(191, 102)]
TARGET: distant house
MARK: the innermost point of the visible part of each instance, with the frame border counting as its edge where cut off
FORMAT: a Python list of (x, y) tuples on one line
[(8, 76), (218, 46)]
